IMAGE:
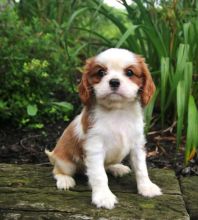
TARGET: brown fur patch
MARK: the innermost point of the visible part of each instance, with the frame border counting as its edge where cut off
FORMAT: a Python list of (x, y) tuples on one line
[(148, 87), (86, 121), (93, 76), (68, 147), (137, 78), (90, 77), (85, 88)]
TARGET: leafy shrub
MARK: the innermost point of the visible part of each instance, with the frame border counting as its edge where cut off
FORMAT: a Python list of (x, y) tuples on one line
[(43, 45), (35, 73)]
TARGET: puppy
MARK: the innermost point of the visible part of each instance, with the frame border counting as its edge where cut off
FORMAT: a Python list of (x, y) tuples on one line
[(115, 86)]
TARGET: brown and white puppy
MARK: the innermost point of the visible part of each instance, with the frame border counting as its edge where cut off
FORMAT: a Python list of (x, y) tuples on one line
[(115, 86)]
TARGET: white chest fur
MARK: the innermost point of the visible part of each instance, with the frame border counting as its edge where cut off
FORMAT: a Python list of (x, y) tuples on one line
[(119, 130)]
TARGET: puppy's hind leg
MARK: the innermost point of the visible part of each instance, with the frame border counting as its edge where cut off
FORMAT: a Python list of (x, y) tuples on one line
[(63, 171)]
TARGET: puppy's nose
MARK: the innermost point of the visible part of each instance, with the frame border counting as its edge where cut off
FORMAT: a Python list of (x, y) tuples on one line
[(114, 83)]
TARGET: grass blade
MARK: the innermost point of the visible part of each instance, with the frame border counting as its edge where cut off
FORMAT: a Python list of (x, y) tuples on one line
[(182, 59), (192, 129), (149, 110), (165, 69), (74, 15), (128, 32), (180, 109)]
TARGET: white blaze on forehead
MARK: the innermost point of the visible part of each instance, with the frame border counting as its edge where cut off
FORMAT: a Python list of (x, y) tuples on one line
[(116, 58)]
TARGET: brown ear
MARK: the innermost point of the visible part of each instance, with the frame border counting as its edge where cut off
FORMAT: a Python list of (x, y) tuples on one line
[(84, 87), (148, 88)]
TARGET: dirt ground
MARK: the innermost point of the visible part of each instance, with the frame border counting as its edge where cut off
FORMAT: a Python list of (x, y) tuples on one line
[(24, 145)]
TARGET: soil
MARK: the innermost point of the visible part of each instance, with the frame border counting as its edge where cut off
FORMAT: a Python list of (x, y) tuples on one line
[(25, 145)]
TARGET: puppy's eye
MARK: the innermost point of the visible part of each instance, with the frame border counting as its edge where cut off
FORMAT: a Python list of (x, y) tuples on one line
[(129, 73), (101, 73)]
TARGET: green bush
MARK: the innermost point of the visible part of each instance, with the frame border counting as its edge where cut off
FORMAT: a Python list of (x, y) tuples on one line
[(36, 74), (43, 46)]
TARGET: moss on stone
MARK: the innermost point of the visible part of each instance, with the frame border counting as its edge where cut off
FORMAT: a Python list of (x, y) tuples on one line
[(189, 186), (29, 191)]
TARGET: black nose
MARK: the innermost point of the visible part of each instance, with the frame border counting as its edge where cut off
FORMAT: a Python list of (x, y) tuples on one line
[(114, 83)]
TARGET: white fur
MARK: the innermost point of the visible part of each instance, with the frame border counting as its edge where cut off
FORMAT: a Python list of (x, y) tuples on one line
[(104, 198), (64, 182), (116, 58), (118, 169), (66, 167), (78, 126)]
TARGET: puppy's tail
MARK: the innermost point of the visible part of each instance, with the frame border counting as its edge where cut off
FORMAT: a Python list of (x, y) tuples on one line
[(50, 156)]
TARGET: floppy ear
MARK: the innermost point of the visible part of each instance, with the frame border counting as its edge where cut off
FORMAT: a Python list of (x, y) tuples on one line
[(84, 87), (148, 88)]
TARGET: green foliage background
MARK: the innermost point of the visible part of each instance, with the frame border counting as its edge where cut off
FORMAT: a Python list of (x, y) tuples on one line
[(43, 46)]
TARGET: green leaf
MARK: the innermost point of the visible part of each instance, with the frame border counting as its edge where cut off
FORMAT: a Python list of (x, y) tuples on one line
[(192, 129), (74, 15), (182, 60), (129, 31), (148, 111), (2, 105), (32, 110), (181, 88), (94, 33), (66, 105), (165, 69), (36, 125), (188, 73), (186, 28)]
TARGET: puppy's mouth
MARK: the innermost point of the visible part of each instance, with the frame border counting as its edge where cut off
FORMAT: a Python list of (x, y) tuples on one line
[(114, 95)]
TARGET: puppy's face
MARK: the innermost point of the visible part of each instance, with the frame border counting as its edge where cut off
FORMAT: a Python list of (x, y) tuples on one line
[(116, 76)]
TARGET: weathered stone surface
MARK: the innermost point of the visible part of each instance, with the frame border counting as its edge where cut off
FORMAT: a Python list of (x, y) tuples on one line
[(189, 187), (29, 192), (37, 176)]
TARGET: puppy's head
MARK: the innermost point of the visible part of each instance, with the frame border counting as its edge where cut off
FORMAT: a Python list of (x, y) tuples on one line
[(116, 76)]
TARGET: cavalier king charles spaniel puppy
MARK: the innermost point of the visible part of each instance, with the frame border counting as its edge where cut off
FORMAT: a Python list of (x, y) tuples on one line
[(115, 87)]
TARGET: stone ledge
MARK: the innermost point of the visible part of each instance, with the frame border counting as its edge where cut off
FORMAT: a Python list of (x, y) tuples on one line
[(189, 187), (28, 192)]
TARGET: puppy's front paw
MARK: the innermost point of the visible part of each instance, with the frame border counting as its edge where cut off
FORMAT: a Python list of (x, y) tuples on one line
[(118, 169), (64, 182), (149, 190), (104, 199)]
